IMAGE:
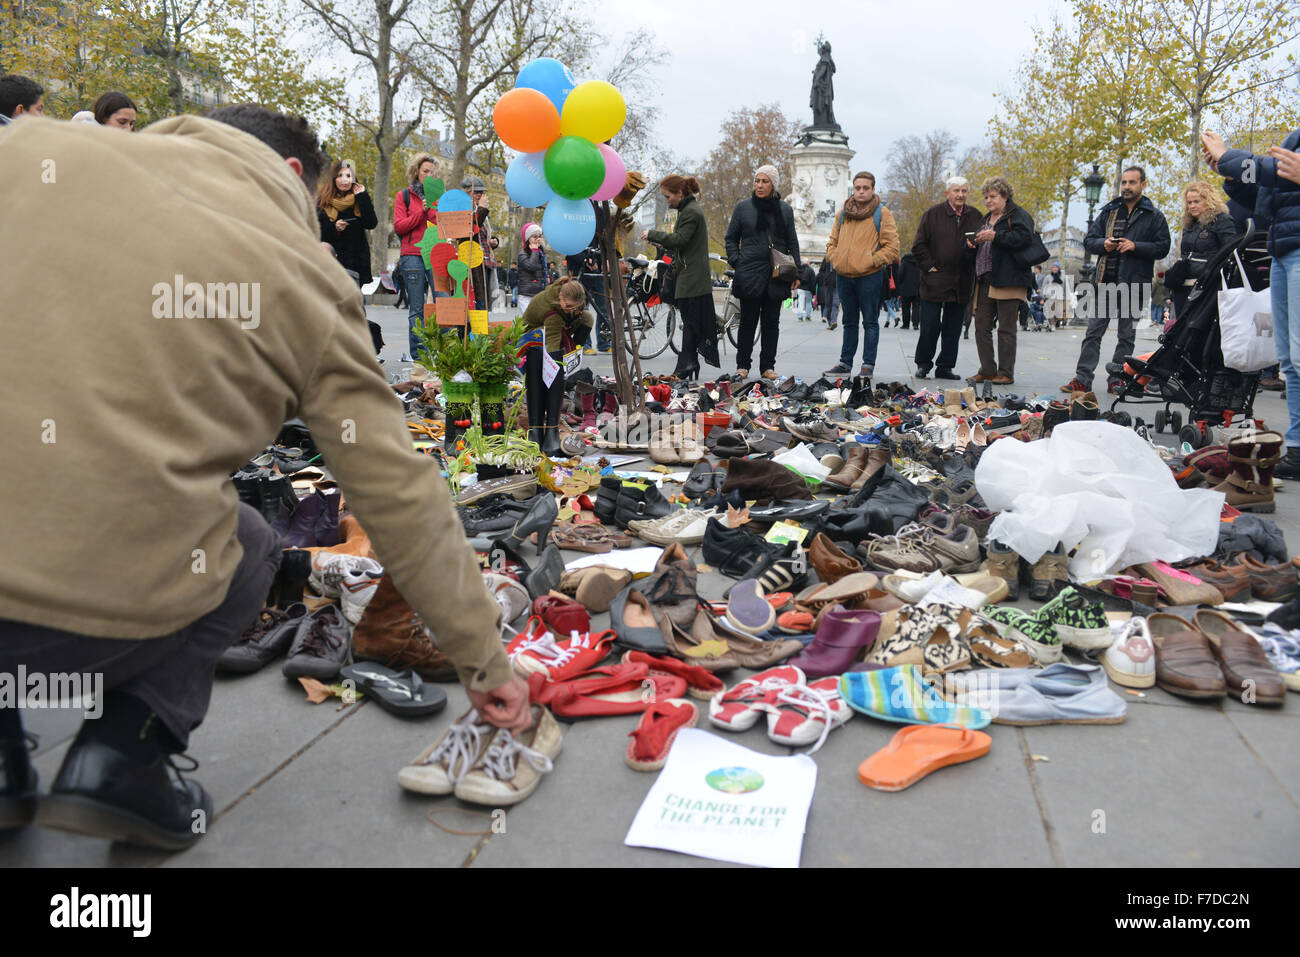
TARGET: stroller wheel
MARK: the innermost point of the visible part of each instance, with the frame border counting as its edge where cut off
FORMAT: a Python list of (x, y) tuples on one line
[(1161, 420), (1192, 436), (1175, 421)]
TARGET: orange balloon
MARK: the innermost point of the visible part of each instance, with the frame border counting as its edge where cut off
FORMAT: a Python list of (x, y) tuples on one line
[(526, 120)]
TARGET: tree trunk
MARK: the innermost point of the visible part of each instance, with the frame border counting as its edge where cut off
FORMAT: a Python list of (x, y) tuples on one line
[(1194, 160), (460, 103), (627, 377)]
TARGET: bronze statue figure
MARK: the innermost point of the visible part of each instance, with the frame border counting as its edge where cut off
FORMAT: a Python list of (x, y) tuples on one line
[(823, 91)]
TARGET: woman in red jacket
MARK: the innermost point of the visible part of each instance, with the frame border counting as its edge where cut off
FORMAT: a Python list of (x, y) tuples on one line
[(410, 219)]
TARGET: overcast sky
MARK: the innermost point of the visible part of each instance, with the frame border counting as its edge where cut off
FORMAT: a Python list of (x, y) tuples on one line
[(902, 66)]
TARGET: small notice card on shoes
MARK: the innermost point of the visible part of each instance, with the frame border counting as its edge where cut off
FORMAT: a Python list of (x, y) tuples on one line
[(718, 800)]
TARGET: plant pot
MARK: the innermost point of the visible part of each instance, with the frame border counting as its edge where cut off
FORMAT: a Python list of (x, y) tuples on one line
[(460, 413), (492, 409)]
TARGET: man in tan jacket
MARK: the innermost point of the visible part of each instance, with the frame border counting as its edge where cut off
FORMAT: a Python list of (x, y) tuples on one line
[(863, 242), (200, 315)]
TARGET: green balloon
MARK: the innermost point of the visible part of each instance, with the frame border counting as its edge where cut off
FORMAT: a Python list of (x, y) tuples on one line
[(458, 270), (574, 167)]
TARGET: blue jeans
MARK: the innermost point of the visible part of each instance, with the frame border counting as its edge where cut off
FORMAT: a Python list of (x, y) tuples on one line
[(414, 278), (595, 286), (860, 296), (1284, 283)]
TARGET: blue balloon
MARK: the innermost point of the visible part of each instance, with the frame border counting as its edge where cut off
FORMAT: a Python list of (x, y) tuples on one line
[(526, 180), (569, 224), (455, 201), (548, 76)]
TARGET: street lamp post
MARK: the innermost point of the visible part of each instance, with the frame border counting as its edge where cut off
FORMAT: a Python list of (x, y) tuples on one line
[(1092, 184)]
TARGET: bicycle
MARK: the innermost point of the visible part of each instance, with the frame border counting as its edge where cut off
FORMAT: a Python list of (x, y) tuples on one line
[(651, 322)]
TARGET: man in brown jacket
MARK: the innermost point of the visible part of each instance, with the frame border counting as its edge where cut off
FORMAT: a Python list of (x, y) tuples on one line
[(203, 314), (864, 241), (945, 256)]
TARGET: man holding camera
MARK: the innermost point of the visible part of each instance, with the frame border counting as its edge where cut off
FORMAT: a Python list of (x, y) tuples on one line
[(1128, 236)]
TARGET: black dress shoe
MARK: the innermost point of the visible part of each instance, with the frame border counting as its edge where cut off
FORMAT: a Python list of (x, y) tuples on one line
[(701, 480), (102, 792), (796, 510), (946, 374), (17, 783), (734, 551)]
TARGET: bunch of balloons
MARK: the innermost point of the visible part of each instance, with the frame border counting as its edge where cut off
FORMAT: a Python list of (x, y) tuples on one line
[(559, 127)]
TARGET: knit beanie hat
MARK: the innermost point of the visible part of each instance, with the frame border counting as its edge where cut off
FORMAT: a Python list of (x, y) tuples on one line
[(770, 172), (531, 230)]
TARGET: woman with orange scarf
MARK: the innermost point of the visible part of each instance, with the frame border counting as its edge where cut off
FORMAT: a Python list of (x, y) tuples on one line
[(346, 213)]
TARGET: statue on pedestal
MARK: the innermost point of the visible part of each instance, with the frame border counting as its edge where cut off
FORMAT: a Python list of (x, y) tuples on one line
[(823, 90)]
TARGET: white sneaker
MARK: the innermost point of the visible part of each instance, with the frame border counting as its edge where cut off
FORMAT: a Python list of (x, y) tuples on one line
[(444, 762), (1131, 660), (349, 578)]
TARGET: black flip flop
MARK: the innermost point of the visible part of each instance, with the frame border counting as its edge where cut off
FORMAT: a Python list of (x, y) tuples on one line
[(400, 692)]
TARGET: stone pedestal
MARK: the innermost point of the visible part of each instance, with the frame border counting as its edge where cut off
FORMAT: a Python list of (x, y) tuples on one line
[(819, 163)]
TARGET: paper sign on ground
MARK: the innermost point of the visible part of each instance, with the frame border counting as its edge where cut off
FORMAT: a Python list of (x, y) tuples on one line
[(638, 561), (783, 532), (718, 800)]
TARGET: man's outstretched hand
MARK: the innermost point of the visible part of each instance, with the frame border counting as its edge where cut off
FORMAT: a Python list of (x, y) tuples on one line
[(505, 707), (1288, 163)]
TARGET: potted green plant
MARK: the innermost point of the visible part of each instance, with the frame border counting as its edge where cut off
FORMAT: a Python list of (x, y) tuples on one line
[(452, 358), (495, 362)]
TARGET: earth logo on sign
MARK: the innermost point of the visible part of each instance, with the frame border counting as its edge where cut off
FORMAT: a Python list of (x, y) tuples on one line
[(734, 780)]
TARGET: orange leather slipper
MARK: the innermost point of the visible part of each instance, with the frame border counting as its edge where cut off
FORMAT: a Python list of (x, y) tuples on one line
[(919, 749)]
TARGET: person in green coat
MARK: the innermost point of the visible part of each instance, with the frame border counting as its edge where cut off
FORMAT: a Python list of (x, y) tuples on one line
[(689, 245)]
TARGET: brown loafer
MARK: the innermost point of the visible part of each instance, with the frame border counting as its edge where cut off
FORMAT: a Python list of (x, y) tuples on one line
[(1185, 661), (1271, 582), (1232, 580), (1246, 669), (830, 561)]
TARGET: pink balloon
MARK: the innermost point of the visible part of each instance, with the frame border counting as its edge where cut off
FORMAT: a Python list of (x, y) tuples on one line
[(615, 174)]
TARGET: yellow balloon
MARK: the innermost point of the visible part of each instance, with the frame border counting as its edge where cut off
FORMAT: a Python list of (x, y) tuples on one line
[(594, 110), (471, 254)]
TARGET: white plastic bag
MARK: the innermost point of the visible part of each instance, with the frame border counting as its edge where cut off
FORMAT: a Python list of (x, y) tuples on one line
[(800, 459), (1101, 488), (1246, 326)]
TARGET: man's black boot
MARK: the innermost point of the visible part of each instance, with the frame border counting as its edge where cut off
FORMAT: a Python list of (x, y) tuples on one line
[(1289, 467), (114, 782)]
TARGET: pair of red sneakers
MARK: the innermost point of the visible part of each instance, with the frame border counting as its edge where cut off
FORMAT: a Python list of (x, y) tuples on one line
[(798, 712)]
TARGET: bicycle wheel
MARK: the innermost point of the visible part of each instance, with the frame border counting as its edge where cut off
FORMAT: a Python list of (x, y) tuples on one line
[(647, 333), (731, 322), (666, 315)]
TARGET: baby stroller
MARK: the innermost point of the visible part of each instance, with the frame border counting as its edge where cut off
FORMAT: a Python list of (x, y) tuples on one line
[(1037, 317), (1187, 368)]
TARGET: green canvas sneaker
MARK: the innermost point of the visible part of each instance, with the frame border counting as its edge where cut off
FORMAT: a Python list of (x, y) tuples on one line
[(1079, 623)]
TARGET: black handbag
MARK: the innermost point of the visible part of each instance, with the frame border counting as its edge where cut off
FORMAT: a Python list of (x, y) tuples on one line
[(1034, 253)]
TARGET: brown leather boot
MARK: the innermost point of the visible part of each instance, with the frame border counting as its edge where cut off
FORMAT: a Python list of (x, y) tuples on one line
[(1252, 457), (854, 462), (391, 633), (877, 459)]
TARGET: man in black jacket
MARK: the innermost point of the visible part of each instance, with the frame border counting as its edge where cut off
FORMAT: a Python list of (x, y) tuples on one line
[(1128, 236), (945, 257)]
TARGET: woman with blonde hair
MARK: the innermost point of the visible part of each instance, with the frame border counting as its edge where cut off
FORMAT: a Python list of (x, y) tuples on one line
[(1207, 228), (410, 219)]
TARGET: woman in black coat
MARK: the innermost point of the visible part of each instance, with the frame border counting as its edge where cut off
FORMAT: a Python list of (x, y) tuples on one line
[(759, 224), (1207, 228), (909, 290), (346, 214), (827, 294), (1001, 281), (531, 263)]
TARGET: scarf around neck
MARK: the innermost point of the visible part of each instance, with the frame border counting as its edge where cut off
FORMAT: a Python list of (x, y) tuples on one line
[(855, 210), (339, 204)]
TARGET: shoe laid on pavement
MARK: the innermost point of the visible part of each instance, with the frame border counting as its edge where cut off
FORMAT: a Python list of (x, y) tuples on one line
[(1131, 659), (1080, 698), (683, 526), (1080, 624), (321, 646), (350, 578), (655, 733), (442, 763), (536, 651), (804, 714), (748, 610), (512, 766), (900, 695), (920, 548), (1037, 635), (739, 708), (265, 640)]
